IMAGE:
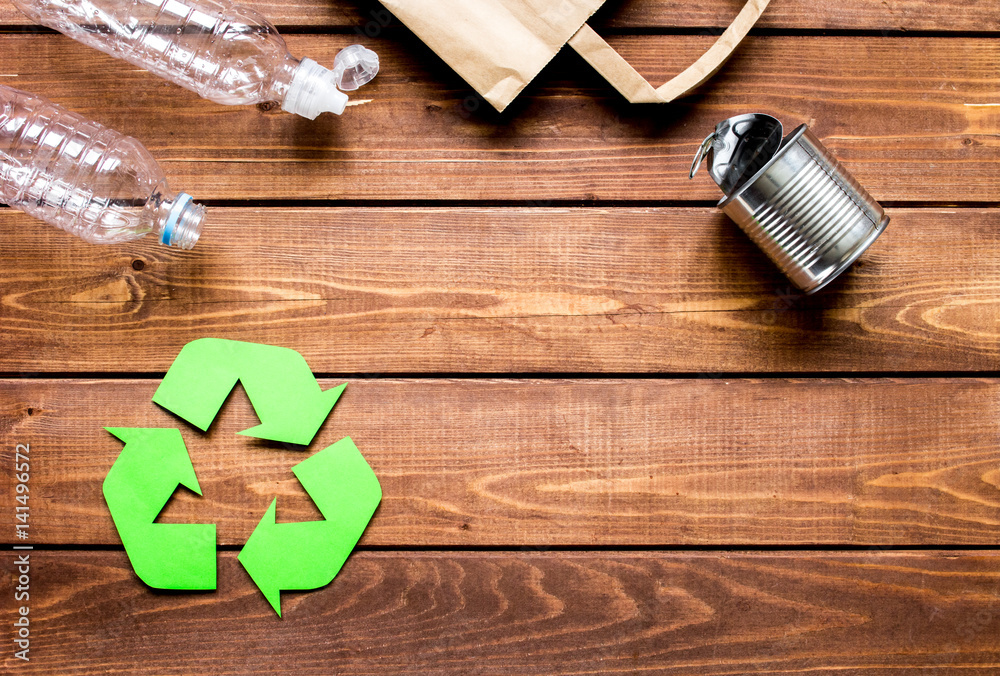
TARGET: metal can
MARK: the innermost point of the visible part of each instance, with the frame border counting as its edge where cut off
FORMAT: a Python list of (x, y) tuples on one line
[(793, 199)]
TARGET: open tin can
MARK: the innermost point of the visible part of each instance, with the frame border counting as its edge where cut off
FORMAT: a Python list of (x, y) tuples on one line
[(792, 197)]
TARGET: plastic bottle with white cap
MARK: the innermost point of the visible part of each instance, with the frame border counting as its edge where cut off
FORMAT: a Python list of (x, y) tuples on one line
[(223, 51), (86, 179)]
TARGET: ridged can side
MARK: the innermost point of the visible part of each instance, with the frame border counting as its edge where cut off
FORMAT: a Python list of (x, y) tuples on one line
[(807, 213)]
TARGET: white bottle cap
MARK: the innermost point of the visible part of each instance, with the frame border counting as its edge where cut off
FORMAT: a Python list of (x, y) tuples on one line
[(313, 91), (354, 66)]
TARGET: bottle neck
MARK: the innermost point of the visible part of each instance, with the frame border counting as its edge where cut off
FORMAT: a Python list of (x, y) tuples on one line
[(178, 220)]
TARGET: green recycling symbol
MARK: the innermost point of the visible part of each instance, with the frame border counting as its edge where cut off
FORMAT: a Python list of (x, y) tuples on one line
[(291, 407)]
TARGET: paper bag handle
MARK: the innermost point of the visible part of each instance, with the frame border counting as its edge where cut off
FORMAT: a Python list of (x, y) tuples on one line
[(636, 88)]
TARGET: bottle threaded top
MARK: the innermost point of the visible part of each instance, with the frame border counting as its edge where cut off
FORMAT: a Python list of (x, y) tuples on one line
[(183, 223)]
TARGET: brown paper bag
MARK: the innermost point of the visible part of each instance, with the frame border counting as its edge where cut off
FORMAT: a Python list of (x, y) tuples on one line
[(499, 46)]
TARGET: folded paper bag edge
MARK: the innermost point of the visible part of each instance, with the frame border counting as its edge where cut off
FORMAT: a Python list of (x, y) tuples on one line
[(499, 46), (493, 44), (612, 66), (636, 89)]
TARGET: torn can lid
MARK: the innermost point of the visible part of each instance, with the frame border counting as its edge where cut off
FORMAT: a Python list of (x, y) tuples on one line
[(738, 148)]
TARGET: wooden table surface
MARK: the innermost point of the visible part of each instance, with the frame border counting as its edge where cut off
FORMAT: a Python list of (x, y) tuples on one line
[(611, 438)]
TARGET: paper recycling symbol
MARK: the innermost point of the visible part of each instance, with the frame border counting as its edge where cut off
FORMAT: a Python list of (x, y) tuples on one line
[(291, 408)]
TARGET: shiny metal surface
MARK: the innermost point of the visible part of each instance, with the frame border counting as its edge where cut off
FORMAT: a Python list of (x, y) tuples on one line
[(739, 148), (806, 212)]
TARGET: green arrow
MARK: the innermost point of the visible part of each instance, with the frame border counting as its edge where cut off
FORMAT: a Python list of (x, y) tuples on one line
[(148, 470), (285, 395), (309, 554)]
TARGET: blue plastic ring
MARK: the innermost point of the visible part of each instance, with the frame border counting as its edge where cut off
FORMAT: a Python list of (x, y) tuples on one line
[(180, 205)]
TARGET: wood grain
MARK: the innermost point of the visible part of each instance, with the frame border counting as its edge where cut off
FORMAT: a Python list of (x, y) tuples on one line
[(913, 118), (578, 462), (910, 15), (870, 613), (494, 290), (560, 238), (898, 15)]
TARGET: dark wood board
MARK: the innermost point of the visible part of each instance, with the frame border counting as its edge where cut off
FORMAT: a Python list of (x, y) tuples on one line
[(691, 614), (611, 437), (501, 290), (367, 16), (913, 118), (484, 463)]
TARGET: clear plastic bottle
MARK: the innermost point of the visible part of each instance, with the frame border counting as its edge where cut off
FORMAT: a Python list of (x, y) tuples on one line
[(223, 51), (87, 179)]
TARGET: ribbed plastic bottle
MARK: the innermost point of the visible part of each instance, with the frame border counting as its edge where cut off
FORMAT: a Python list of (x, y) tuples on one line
[(87, 179), (223, 51)]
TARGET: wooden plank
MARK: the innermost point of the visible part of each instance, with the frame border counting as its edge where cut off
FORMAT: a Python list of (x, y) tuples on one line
[(910, 15), (899, 15), (501, 290), (871, 613), (542, 463), (913, 118)]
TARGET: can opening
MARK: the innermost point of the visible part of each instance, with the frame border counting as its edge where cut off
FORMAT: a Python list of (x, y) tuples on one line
[(739, 148)]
